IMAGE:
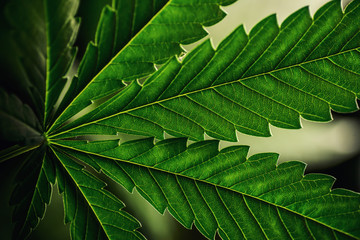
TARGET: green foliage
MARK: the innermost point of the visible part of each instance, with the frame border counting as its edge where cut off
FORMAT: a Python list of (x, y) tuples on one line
[(273, 75), (92, 211), (32, 192), (248, 198)]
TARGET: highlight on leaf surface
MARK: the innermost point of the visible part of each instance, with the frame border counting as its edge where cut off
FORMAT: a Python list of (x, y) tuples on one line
[(131, 38), (240, 197), (306, 67), (92, 211), (274, 75)]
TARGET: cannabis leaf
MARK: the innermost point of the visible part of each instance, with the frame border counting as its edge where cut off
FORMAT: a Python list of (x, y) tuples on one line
[(135, 78), (92, 211), (273, 75), (158, 40), (245, 198), (46, 33), (32, 192)]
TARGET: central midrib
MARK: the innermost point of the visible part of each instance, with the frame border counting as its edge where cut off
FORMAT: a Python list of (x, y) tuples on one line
[(209, 183), (200, 90), (109, 63)]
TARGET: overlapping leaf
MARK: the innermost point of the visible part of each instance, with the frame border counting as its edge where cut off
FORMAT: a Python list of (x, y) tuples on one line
[(118, 24), (273, 75), (24, 53), (242, 198), (18, 122), (174, 23), (32, 192), (44, 37), (93, 212), (61, 31)]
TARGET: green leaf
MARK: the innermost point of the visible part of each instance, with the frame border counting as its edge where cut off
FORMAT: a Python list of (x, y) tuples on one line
[(93, 212), (273, 75), (18, 122), (32, 192), (45, 35), (149, 34), (241, 197), (61, 30), (40, 49), (13, 151), (23, 65)]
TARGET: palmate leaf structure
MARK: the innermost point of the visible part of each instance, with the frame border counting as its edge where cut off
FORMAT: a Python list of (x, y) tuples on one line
[(135, 78)]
